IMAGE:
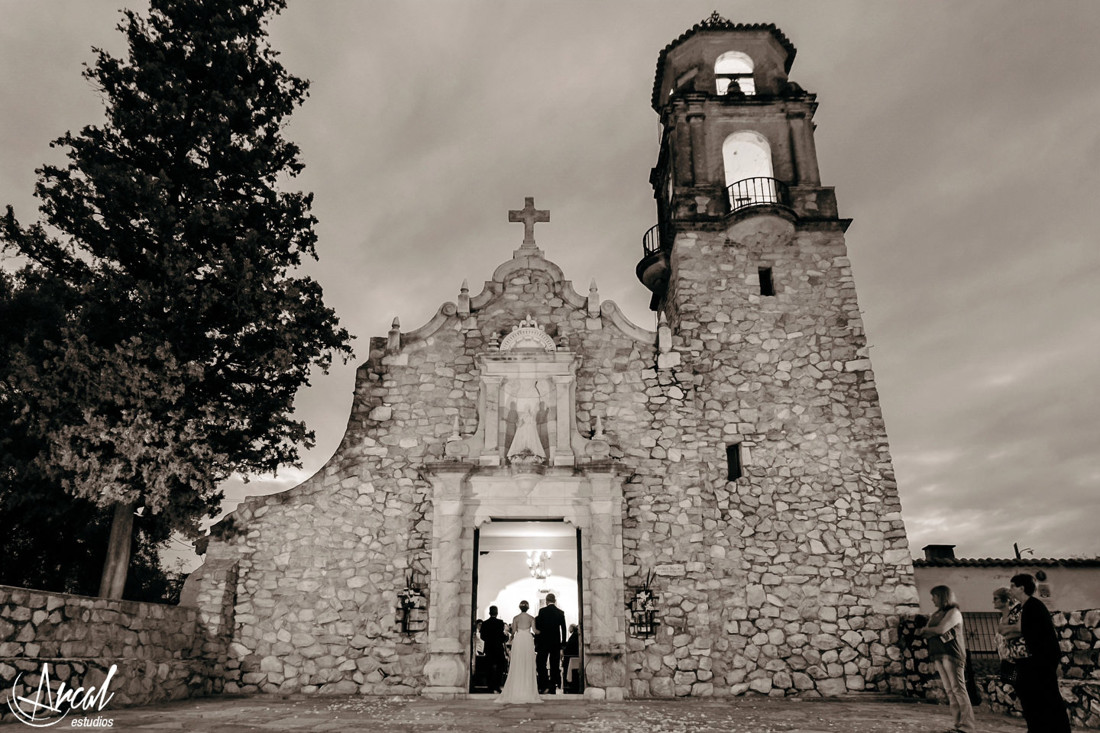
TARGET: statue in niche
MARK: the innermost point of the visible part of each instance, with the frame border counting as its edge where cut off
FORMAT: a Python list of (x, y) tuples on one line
[(526, 446)]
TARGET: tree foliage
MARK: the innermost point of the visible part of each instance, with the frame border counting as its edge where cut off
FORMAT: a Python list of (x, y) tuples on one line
[(49, 539), (164, 270)]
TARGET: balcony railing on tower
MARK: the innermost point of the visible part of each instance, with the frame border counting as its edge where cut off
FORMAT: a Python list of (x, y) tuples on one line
[(651, 241), (758, 191)]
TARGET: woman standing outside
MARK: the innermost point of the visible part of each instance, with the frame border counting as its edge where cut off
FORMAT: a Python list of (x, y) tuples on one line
[(1010, 644), (947, 649)]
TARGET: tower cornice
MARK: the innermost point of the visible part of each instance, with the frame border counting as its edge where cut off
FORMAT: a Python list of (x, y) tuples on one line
[(716, 23)]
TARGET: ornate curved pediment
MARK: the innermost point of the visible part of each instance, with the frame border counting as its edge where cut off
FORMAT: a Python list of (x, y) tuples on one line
[(528, 334)]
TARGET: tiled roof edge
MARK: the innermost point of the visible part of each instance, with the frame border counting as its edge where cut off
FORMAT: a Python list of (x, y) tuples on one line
[(1036, 562)]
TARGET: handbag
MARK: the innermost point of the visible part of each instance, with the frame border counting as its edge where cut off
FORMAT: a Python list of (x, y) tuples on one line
[(1017, 650)]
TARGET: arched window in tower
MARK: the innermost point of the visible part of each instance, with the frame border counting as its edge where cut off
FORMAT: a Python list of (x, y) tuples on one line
[(748, 162), (733, 72)]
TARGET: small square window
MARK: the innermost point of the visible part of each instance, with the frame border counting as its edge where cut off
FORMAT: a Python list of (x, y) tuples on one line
[(733, 460), (767, 287)]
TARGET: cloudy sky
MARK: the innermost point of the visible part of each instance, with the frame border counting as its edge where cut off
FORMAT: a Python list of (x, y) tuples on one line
[(962, 138)]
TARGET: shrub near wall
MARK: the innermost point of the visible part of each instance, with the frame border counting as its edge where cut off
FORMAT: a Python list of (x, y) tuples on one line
[(157, 648), (1079, 637)]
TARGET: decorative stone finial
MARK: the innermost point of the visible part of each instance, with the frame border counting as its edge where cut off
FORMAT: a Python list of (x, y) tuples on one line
[(464, 300), (529, 215), (593, 300), (666, 357), (715, 20), (456, 448), (598, 449), (664, 334), (393, 342)]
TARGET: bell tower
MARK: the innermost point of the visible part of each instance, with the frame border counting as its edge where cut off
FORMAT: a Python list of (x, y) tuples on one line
[(737, 143), (749, 273)]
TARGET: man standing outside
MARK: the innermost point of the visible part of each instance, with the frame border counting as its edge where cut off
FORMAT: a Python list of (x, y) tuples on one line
[(495, 637), (1037, 674), (550, 624)]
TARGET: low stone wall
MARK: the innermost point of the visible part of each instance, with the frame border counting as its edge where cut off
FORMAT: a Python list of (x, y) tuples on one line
[(1079, 637), (1082, 698), (158, 649)]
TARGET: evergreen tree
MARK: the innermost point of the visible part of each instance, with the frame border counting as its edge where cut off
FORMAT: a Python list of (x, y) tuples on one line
[(48, 539), (185, 333)]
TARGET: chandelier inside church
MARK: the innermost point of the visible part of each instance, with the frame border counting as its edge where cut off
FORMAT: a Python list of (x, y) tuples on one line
[(536, 563)]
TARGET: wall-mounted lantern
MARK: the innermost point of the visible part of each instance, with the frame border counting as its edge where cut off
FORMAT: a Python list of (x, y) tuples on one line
[(412, 607), (643, 609)]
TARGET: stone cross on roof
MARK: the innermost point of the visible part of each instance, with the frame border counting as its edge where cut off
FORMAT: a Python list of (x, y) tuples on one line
[(529, 215)]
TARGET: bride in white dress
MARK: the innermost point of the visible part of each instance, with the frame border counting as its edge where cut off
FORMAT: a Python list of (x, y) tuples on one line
[(521, 685)]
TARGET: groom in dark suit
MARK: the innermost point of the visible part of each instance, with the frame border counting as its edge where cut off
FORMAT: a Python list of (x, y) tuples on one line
[(550, 624)]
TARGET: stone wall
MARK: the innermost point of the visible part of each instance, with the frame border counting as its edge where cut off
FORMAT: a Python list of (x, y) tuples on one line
[(158, 649), (808, 548), (321, 565), (1079, 637), (788, 580)]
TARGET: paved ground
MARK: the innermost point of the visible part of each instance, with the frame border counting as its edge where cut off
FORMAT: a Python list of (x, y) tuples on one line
[(558, 715)]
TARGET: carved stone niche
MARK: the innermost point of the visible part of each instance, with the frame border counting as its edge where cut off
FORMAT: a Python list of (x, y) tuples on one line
[(526, 406)]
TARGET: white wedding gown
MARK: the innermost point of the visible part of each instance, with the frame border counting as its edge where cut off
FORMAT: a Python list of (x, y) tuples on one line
[(521, 685)]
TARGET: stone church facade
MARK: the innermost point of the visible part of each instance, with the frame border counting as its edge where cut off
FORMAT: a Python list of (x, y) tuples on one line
[(728, 475)]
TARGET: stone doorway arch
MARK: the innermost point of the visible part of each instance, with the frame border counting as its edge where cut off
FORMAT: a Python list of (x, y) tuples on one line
[(507, 572), (465, 497)]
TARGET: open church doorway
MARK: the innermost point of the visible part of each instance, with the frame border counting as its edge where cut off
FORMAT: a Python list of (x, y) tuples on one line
[(527, 560)]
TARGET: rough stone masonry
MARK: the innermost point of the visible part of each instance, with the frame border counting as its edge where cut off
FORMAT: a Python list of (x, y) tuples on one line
[(785, 574)]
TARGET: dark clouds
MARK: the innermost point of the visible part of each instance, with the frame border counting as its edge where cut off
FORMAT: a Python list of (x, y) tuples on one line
[(961, 138)]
